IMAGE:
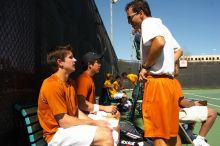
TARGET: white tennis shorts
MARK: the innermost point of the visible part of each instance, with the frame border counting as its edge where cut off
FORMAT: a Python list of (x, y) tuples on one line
[(194, 113), (74, 136), (118, 95)]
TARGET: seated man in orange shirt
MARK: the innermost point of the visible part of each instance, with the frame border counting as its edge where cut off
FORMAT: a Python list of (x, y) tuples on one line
[(91, 64), (58, 111)]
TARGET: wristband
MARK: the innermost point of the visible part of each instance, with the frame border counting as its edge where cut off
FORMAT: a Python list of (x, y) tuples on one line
[(95, 108), (146, 67)]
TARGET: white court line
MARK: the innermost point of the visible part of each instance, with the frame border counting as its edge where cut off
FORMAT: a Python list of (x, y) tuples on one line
[(202, 96), (213, 105), (205, 97)]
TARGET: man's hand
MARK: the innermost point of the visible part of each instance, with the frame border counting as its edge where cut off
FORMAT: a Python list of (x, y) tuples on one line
[(116, 115), (143, 74), (110, 109)]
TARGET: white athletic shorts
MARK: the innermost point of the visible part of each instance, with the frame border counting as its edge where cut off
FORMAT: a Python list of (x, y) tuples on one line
[(118, 95), (194, 113), (73, 136)]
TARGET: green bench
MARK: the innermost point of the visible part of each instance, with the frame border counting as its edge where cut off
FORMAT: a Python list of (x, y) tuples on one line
[(33, 131)]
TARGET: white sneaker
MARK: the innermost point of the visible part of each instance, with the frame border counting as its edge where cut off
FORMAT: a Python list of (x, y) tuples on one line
[(200, 142)]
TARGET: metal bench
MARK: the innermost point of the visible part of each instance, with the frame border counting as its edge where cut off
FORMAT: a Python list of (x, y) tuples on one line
[(33, 131)]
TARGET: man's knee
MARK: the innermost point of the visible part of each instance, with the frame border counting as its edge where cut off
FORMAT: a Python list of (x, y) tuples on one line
[(212, 112), (103, 137)]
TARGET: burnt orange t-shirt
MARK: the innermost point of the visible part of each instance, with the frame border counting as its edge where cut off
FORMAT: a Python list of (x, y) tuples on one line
[(86, 87), (55, 97)]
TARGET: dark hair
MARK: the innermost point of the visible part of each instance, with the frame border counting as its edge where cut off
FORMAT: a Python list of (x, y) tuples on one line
[(124, 74), (139, 5), (85, 66), (117, 77), (58, 52)]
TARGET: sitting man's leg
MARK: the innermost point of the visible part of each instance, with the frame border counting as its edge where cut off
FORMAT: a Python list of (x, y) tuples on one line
[(113, 123), (206, 125), (103, 137), (174, 141), (200, 114), (92, 135)]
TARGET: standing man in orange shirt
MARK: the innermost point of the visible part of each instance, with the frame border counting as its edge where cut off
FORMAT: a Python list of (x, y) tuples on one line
[(160, 104), (58, 111)]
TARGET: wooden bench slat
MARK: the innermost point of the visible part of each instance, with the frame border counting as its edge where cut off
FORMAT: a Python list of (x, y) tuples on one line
[(29, 111), (40, 142), (33, 128), (31, 119), (34, 137)]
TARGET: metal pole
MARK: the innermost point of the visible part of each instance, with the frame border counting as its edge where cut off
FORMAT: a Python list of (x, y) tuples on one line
[(111, 26)]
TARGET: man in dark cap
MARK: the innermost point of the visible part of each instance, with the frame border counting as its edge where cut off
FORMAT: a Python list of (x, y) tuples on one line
[(91, 64)]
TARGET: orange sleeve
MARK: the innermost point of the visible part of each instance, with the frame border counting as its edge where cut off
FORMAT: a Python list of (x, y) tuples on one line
[(54, 94), (82, 86)]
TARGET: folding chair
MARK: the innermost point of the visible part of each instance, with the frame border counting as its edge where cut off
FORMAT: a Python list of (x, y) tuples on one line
[(185, 134)]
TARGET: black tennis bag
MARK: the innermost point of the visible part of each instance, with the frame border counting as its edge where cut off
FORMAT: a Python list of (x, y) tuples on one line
[(132, 136)]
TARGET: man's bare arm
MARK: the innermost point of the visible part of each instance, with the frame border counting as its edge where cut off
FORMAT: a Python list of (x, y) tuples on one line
[(66, 121), (154, 51), (84, 105), (178, 52)]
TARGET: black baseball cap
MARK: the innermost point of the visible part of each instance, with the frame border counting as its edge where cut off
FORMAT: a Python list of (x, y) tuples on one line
[(90, 57)]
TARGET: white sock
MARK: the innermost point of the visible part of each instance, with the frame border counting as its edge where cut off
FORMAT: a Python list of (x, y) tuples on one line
[(200, 137)]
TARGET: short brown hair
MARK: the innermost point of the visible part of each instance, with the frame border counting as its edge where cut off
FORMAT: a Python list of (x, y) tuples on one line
[(58, 52)]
